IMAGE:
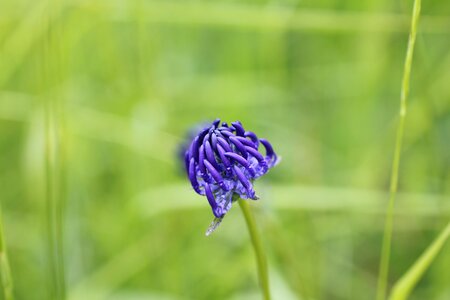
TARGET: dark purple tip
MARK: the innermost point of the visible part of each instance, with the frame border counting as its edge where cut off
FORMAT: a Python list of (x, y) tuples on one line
[(253, 137), (214, 141), (202, 134), (268, 146), (271, 157), (216, 123), (239, 129), (205, 138)]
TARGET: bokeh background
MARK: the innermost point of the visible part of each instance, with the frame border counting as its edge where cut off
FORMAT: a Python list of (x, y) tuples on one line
[(95, 97)]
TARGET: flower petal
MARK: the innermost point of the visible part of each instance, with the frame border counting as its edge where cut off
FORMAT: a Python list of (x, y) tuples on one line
[(270, 154), (253, 137), (246, 142), (224, 144), (193, 176), (211, 200), (210, 156), (215, 174), (239, 146), (216, 123), (193, 149), (201, 158), (241, 161), (239, 129), (255, 153), (245, 182), (223, 157)]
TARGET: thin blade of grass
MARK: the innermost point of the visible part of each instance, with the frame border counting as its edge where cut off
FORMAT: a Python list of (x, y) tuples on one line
[(404, 286), (52, 76), (387, 237), (5, 270)]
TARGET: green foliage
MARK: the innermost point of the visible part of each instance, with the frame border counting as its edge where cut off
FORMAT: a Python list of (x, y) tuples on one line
[(112, 86), (403, 288), (393, 187)]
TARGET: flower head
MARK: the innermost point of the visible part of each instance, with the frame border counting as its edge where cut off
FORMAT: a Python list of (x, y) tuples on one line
[(223, 160)]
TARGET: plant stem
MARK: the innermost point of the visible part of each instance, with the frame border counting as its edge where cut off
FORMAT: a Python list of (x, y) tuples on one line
[(387, 238), (5, 270), (258, 247)]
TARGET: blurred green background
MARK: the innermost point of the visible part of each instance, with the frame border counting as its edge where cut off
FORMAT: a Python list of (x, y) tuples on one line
[(95, 97)]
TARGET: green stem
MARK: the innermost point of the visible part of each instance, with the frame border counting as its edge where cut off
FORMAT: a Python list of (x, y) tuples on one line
[(387, 238), (257, 246), (5, 270)]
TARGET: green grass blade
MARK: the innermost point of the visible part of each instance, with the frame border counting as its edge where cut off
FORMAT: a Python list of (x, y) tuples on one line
[(5, 270), (387, 238), (402, 289), (53, 104)]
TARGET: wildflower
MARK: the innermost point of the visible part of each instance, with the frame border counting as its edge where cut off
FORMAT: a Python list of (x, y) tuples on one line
[(223, 161)]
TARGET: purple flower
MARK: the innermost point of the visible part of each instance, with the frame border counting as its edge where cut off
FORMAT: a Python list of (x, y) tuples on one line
[(222, 161)]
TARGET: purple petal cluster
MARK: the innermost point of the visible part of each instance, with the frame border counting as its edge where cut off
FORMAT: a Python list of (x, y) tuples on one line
[(223, 160)]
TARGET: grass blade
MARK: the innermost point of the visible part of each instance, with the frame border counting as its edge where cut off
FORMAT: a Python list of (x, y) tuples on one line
[(408, 281), (5, 270), (52, 76), (387, 238)]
